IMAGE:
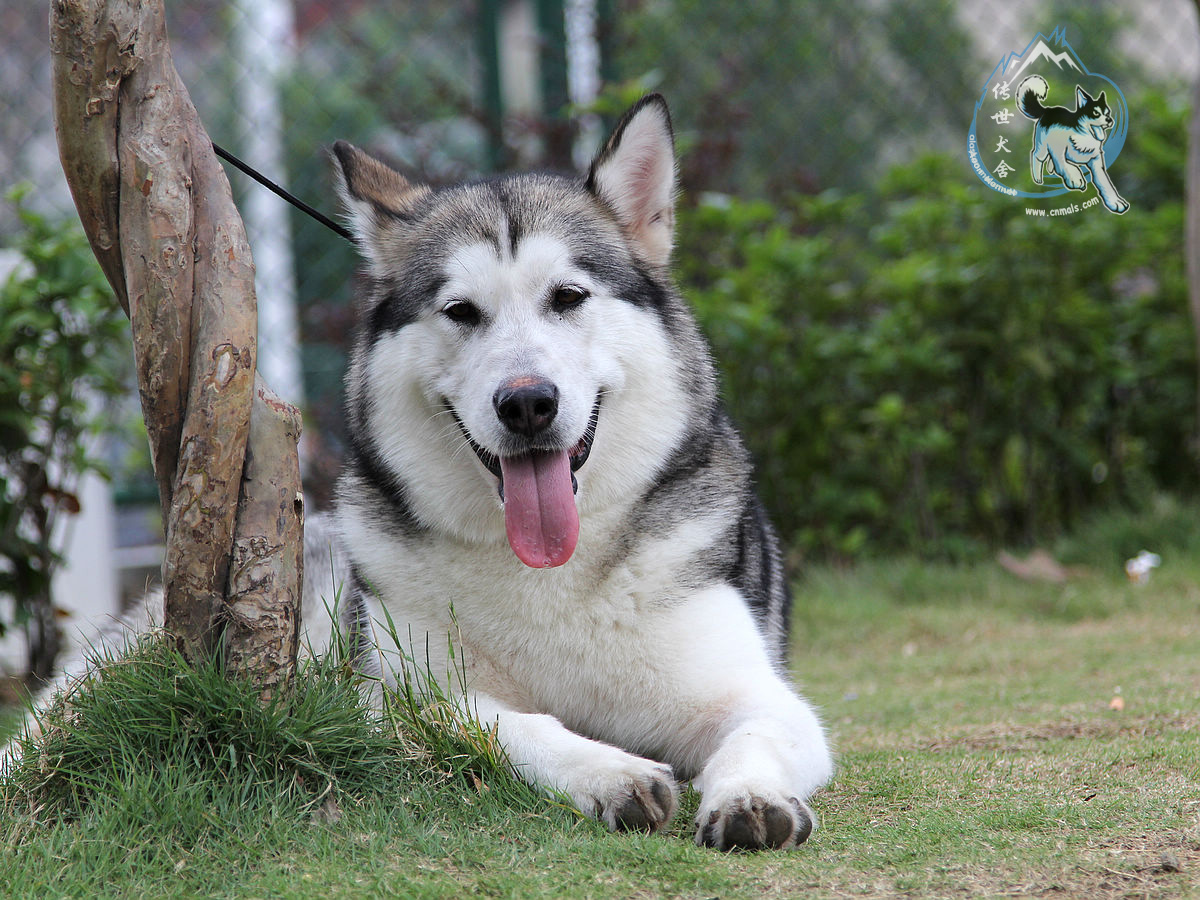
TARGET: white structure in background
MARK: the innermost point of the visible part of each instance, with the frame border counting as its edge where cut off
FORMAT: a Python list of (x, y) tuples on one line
[(84, 589), (264, 45), (85, 585), (520, 63), (520, 87), (583, 76)]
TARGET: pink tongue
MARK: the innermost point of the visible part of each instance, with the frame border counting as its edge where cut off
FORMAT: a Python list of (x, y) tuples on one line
[(539, 508)]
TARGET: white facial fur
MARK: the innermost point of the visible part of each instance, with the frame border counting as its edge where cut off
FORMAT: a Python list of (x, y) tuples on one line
[(605, 347), (520, 335)]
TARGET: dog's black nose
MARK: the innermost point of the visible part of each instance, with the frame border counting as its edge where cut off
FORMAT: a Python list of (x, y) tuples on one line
[(526, 406)]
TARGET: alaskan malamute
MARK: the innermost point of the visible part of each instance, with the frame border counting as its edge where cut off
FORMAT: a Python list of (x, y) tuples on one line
[(540, 467)]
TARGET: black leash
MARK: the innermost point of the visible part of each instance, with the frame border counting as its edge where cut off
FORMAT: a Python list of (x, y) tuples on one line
[(290, 198)]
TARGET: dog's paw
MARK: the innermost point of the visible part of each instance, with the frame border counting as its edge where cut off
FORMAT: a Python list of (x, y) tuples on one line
[(1076, 182), (632, 795), (753, 822)]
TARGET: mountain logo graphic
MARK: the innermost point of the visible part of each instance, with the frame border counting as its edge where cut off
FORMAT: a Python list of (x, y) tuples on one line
[(1046, 126)]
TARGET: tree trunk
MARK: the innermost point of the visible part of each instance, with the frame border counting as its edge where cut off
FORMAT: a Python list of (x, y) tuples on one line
[(263, 608), (159, 213)]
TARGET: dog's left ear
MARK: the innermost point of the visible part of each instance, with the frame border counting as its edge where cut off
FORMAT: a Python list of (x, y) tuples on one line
[(634, 175), (1082, 97)]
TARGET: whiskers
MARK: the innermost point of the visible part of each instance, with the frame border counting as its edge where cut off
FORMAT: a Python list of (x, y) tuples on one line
[(464, 444), (449, 430)]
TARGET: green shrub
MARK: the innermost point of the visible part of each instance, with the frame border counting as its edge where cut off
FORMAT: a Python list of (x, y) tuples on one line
[(64, 345), (925, 367)]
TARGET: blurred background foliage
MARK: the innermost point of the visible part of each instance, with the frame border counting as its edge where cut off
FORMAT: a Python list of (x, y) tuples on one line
[(64, 343), (916, 363), (919, 365)]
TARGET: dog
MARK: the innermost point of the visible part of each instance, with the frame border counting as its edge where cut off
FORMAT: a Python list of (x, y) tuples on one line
[(539, 465), (541, 480), (1070, 139)]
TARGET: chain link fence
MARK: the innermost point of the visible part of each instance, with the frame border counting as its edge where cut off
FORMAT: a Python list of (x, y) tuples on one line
[(769, 98)]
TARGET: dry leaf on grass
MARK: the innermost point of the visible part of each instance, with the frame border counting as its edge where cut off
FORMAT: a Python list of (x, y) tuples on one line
[(1038, 566)]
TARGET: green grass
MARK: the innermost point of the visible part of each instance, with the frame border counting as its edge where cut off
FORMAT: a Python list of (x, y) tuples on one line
[(979, 756)]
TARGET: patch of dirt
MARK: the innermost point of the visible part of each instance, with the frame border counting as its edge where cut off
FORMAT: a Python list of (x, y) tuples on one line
[(1103, 880), (1152, 864), (1009, 736)]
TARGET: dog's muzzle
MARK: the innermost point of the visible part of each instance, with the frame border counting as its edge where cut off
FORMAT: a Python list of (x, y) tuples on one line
[(537, 485)]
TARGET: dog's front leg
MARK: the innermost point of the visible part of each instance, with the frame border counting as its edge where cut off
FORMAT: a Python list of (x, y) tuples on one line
[(624, 791), (758, 746), (754, 787), (1105, 187)]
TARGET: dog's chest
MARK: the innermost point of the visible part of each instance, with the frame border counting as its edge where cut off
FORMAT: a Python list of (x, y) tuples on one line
[(562, 622), (1077, 145), (587, 642), (603, 661)]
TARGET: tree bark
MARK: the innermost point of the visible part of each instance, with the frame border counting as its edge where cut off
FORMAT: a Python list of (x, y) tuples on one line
[(262, 612), (159, 213)]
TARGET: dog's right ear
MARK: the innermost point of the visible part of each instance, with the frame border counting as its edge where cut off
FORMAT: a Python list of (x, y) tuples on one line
[(374, 195)]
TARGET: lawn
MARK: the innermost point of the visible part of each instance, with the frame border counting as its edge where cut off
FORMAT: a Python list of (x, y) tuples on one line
[(995, 737)]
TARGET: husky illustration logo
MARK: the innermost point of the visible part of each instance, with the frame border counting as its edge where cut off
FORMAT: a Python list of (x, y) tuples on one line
[(1070, 148), (1070, 139)]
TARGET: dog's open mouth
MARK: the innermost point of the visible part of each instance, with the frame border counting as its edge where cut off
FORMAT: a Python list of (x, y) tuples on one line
[(538, 490)]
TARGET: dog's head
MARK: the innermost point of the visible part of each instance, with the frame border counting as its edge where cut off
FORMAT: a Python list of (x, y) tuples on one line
[(514, 351), (1095, 112)]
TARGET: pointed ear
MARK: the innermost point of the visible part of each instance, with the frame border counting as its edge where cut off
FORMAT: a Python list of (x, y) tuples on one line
[(373, 194), (634, 175), (1082, 98)]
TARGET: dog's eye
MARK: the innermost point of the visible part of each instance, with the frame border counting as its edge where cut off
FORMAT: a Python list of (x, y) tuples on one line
[(567, 296), (461, 312)]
